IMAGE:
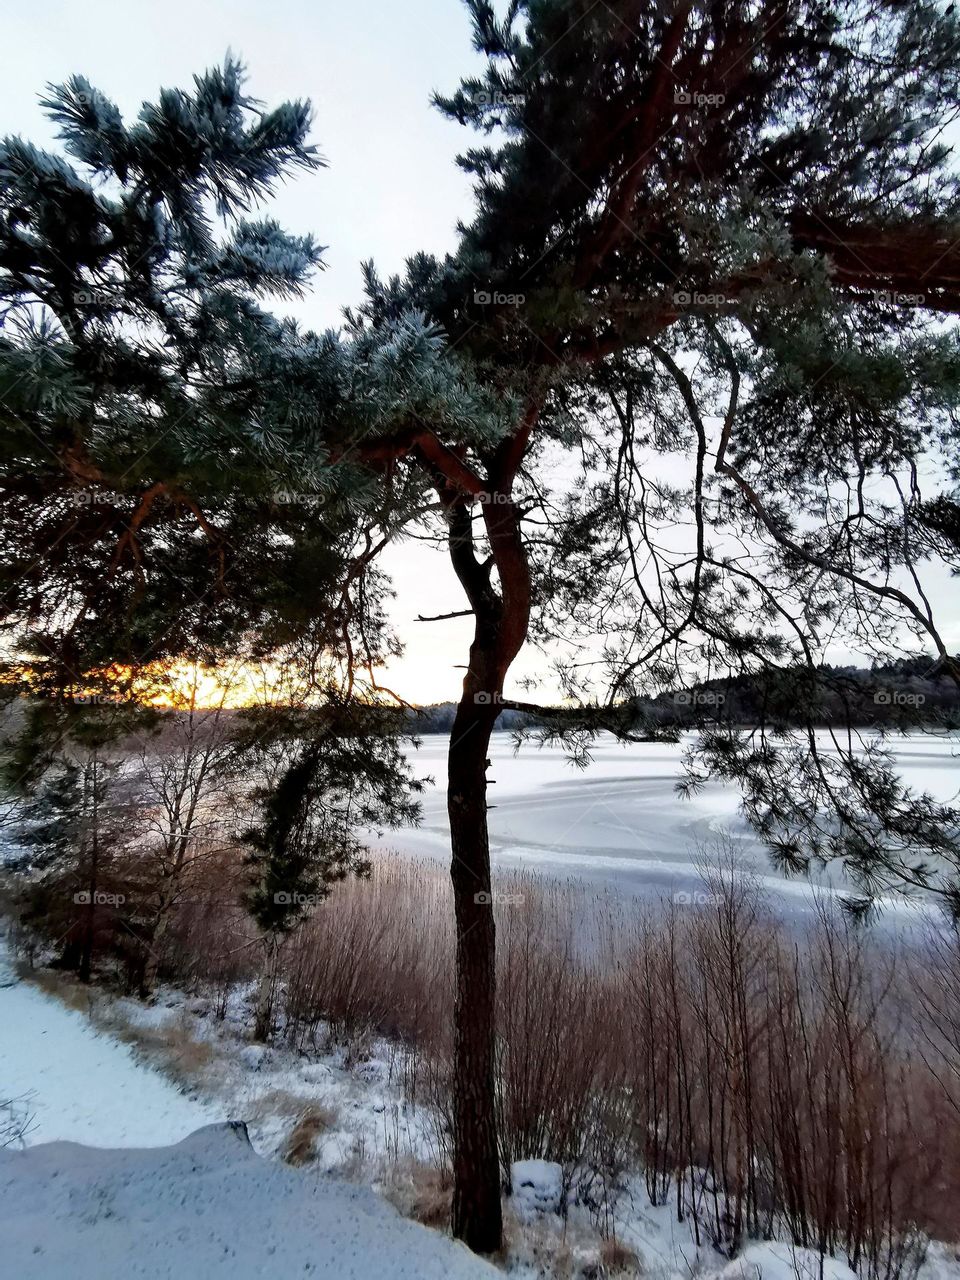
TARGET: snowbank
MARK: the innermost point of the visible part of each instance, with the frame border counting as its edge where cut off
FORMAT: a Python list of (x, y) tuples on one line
[(206, 1208)]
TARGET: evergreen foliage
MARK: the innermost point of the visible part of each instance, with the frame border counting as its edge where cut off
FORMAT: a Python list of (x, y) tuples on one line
[(346, 776), (160, 486)]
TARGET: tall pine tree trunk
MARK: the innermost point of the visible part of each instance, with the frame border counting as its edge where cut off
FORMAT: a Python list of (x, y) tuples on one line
[(476, 1197), (501, 617)]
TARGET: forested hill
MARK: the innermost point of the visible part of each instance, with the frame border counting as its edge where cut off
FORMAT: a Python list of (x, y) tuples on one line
[(899, 694)]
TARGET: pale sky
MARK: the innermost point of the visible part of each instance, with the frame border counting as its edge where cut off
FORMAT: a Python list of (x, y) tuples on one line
[(391, 187)]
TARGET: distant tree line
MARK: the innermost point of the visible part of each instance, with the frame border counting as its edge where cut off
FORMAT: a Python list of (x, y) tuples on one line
[(905, 693)]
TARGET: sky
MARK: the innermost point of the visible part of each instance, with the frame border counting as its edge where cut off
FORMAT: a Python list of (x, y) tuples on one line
[(391, 187)]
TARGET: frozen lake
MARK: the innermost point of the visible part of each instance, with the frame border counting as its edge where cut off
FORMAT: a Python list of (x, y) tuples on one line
[(620, 823)]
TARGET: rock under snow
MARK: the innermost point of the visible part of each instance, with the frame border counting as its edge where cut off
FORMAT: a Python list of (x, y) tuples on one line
[(537, 1186), (253, 1056), (205, 1209)]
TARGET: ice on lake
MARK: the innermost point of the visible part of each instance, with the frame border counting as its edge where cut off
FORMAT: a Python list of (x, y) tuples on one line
[(621, 824)]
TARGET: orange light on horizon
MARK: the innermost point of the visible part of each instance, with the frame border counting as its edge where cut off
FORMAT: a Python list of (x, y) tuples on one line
[(184, 685), (192, 685)]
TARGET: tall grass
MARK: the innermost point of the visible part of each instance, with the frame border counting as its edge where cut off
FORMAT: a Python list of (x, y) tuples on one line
[(761, 1081)]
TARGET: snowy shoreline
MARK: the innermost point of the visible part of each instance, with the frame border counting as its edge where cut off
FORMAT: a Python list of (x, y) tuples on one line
[(212, 1206)]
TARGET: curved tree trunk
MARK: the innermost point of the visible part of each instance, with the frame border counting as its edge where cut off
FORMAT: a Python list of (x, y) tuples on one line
[(501, 620)]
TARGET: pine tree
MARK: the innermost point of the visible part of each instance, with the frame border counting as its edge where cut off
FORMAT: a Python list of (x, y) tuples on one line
[(160, 481), (723, 235), (162, 492), (71, 833), (326, 777)]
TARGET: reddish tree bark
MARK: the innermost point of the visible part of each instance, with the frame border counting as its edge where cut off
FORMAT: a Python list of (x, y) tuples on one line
[(501, 618)]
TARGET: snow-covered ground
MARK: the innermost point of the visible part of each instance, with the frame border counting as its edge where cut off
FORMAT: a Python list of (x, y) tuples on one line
[(210, 1205), (206, 1208), (80, 1086), (185, 1199), (128, 1204), (621, 824), (79, 1082)]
